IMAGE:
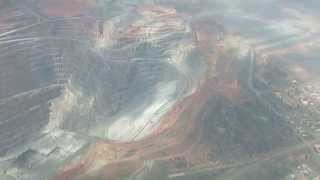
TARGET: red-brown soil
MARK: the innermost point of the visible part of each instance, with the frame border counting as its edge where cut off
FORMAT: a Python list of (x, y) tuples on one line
[(178, 137)]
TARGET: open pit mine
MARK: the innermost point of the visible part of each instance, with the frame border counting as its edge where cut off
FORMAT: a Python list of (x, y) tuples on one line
[(159, 89)]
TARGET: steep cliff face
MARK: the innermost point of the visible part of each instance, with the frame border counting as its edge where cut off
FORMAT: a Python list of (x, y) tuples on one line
[(152, 88), (66, 78)]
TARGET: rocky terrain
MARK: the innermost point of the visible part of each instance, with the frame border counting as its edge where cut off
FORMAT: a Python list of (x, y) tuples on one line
[(158, 89)]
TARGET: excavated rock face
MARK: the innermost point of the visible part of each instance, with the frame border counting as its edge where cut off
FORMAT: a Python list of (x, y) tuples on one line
[(107, 89), (65, 80)]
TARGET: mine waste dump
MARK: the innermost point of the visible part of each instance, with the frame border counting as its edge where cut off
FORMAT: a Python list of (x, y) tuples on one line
[(159, 90)]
